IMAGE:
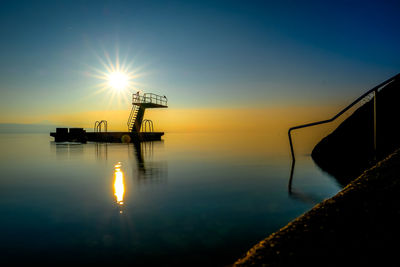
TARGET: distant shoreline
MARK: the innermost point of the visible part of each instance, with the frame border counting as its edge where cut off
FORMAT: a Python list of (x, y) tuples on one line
[(27, 128)]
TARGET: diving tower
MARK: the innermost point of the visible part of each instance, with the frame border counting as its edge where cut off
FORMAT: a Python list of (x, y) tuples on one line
[(139, 130), (139, 105)]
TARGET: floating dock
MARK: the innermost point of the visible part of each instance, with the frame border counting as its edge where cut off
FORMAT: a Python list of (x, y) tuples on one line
[(139, 130), (80, 135)]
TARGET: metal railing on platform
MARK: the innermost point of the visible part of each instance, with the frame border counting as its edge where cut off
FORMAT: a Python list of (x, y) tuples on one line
[(147, 123), (149, 98)]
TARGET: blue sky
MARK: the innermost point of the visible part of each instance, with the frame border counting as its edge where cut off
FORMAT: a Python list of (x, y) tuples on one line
[(201, 54)]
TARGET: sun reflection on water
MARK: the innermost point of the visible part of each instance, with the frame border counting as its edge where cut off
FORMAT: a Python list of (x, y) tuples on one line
[(119, 187)]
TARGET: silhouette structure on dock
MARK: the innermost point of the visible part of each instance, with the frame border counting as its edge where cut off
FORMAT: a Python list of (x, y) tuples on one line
[(138, 129)]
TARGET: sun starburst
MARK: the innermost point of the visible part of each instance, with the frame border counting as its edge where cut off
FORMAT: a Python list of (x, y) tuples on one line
[(116, 79)]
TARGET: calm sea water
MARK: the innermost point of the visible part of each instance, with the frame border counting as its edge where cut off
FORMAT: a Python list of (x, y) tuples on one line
[(191, 199)]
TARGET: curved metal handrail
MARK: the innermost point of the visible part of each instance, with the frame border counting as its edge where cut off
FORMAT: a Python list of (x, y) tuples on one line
[(151, 127), (375, 90), (98, 124), (144, 126), (95, 126)]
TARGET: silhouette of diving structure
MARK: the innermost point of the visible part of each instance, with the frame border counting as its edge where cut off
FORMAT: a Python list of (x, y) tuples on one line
[(139, 129)]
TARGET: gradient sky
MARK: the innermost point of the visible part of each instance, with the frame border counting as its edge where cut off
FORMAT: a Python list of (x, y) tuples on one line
[(203, 54)]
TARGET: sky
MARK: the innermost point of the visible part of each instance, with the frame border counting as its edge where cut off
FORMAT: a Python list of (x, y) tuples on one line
[(203, 55)]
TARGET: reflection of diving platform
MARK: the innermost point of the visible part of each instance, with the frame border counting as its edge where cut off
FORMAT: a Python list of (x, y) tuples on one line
[(138, 129)]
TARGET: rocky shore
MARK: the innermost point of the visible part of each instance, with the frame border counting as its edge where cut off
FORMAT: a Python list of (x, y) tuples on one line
[(359, 226)]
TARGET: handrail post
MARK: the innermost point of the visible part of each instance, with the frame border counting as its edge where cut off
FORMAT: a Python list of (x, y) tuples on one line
[(291, 145), (375, 144), (95, 126)]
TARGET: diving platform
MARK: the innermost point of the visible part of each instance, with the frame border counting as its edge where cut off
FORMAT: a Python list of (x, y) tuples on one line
[(139, 129), (139, 105)]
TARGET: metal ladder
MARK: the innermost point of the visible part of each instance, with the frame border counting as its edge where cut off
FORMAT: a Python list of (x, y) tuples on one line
[(132, 117)]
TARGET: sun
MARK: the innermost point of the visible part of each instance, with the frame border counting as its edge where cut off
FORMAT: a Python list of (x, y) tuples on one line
[(118, 80)]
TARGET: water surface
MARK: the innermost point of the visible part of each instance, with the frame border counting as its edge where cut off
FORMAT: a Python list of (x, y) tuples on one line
[(187, 200)]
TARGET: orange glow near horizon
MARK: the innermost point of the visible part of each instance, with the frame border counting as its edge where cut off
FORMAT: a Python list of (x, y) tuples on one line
[(270, 124), (200, 120)]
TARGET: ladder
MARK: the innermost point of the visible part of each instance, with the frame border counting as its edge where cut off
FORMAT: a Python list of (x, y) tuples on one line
[(132, 117)]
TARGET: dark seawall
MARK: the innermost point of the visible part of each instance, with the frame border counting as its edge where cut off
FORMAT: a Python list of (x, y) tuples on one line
[(359, 226)]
